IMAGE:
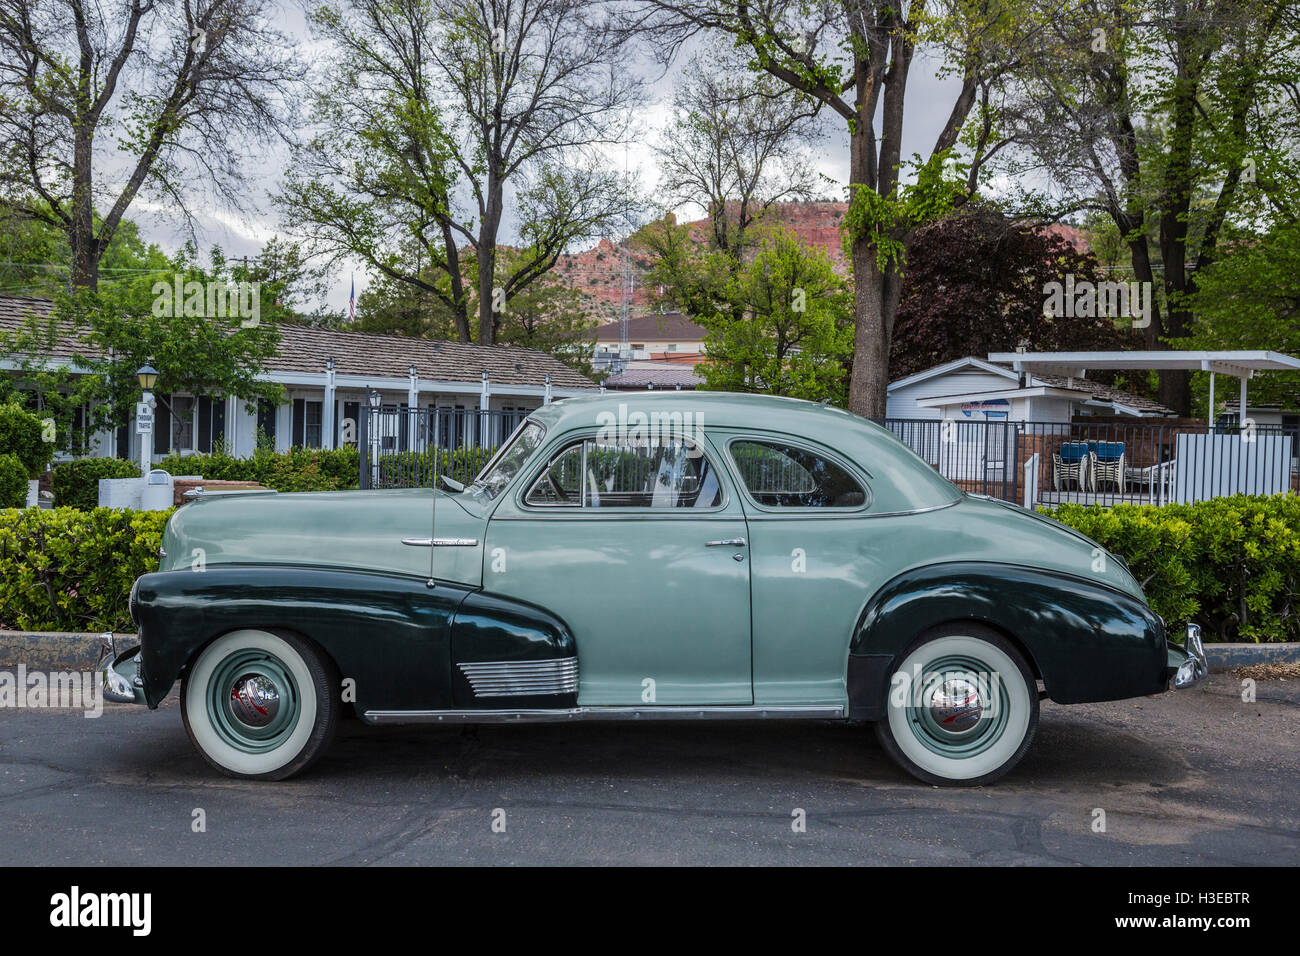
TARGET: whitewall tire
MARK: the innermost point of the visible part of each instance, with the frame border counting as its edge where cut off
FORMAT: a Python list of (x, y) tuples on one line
[(260, 705), (962, 707)]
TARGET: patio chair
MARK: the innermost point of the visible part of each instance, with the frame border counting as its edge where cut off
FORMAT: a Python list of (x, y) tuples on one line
[(1071, 464), (1106, 464)]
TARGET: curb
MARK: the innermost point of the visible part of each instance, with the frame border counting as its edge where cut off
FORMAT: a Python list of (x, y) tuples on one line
[(53, 650), (65, 650), (1228, 657)]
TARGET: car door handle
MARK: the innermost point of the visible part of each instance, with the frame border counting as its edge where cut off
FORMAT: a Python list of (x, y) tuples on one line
[(441, 542), (726, 543)]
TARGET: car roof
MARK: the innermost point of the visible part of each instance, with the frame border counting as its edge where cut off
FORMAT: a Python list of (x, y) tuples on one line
[(901, 481)]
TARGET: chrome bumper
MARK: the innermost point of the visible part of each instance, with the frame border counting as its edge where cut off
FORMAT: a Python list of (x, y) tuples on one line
[(1187, 664), (121, 672)]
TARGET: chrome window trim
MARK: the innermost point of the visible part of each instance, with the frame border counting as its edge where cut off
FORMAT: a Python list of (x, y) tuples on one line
[(583, 513), (802, 511)]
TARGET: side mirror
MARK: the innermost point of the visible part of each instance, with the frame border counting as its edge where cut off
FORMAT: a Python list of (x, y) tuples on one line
[(450, 484)]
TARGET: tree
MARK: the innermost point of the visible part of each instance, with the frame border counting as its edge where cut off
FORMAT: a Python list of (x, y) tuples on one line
[(165, 85), (1164, 116), (976, 285), (735, 145), (854, 57), (781, 325), (126, 324), (1250, 299), (436, 114)]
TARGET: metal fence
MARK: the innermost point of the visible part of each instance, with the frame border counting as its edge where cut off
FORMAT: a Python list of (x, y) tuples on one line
[(404, 447), (1105, 462)]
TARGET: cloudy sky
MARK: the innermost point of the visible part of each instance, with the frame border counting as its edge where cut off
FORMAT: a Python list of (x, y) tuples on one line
[(929, 100)]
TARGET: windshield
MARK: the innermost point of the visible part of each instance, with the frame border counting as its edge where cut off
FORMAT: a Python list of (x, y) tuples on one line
[(505, 464)]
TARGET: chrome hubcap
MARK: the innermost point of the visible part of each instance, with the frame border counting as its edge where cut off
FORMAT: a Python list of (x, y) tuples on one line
[(956, 705), (254, 700)]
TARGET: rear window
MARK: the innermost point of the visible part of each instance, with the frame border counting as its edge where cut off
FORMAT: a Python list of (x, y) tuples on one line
[(778, 475)]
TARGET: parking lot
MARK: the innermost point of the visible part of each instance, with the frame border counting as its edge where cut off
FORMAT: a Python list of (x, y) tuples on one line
[(1194, 777)]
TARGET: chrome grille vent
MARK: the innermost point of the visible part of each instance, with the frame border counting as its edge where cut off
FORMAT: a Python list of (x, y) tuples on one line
[(522, 678)]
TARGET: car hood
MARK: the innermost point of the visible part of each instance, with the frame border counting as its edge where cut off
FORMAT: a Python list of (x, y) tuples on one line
[(343, 529)]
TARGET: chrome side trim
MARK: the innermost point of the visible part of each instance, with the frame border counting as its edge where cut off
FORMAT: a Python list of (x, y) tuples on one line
[(441, 542), (526, 716), (522, 678)]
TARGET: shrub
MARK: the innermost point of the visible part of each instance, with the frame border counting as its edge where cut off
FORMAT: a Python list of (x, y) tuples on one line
[(13, 482), (62, 569), (299, 469), (1231, 565), (22, 434), (76, 483)]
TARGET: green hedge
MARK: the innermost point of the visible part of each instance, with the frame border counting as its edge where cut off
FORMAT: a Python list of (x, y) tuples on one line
[(1231, 565), (76, 483), (22, 434), (62, 569), (13, 482), (299, 469)]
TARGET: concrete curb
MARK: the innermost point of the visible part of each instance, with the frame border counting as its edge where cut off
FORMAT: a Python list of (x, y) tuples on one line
[(62, 650), (1227, 657), (53, 650)]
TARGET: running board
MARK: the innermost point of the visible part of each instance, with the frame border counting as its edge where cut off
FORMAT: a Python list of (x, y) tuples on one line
[(720, 712)]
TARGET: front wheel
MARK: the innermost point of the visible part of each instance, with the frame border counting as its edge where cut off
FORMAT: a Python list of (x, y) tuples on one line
[(260, 706), (962, 707)]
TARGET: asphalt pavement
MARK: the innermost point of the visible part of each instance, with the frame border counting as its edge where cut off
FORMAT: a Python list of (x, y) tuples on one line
[(1186, 778)]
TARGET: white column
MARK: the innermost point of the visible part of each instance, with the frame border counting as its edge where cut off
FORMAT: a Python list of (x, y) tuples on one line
[(413, 407), (1211, 415), (546, 399), (484, 402), (327, 407), (1241, 418)]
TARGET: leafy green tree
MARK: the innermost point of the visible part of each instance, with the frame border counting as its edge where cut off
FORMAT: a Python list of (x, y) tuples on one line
[(1179, 120), (855, 57), (1250, 299), (785, 328)]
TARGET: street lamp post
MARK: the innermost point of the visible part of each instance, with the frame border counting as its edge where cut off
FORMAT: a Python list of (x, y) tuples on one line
[(147, 376)]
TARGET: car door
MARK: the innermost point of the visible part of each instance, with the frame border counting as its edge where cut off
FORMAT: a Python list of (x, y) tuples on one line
[(640, 547), (816, 556)]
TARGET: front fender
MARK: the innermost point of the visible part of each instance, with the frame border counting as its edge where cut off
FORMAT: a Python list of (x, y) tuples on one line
[(1087, 641), (390, 634)]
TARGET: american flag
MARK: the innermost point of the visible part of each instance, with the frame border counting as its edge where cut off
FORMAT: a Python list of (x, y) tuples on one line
[(352, 300)]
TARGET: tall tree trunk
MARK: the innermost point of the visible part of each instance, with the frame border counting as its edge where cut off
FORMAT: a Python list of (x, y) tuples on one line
[(487, 261), (869, 382), (81, 232)]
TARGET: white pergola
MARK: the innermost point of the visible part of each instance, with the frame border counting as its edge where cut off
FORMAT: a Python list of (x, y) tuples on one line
[(1240, 364)]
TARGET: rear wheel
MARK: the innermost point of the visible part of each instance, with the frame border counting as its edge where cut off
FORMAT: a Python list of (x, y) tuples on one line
[(962, 707), (260, 705)]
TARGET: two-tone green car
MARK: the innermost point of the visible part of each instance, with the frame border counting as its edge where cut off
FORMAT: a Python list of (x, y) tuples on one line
[(648, 556)]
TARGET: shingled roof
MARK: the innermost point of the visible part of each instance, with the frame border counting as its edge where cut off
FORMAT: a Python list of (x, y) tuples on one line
[(1105, 393), (639, 376), (305, 349), (659, 326)]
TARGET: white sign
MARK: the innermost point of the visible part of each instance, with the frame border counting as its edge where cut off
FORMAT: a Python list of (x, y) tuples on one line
[(143, 418)]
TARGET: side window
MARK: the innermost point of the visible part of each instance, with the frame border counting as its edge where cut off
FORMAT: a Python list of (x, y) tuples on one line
[(627, 474), (560, 485), (783, 476)]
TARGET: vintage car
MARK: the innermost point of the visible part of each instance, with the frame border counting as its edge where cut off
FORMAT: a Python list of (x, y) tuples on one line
[(648, 556)]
